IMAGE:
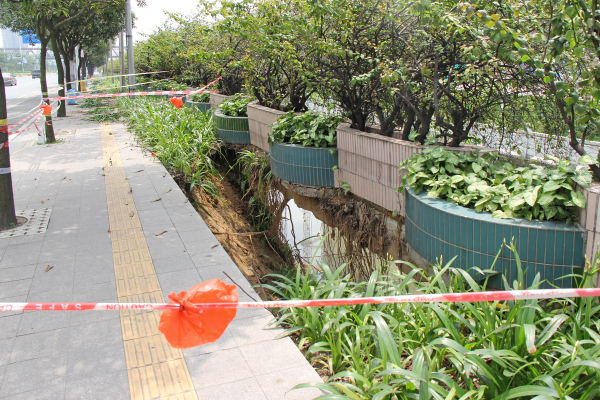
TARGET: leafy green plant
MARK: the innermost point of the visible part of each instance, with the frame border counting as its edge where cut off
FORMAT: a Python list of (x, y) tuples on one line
[(91, 103), (106, 116), (203, 97), (487, 182), (308, 129), (525, 349), (168, 85), (235, 106), (182, 139), (255, 176)]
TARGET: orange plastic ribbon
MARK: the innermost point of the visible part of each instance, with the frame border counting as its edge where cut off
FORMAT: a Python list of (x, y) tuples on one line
[(46, 109), (189, 326), (176, 101)]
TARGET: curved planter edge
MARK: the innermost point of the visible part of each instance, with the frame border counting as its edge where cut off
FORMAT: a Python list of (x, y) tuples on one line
[(304, 165), (436, 227), (204, 107), (232, 129)]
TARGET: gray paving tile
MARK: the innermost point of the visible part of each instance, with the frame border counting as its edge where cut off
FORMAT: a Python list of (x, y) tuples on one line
[(45, 393), (273, 355), (253, 330), (226, 341), (277, 385), (21, 254), (39, 345), (50, 282), (60, 294), (41, 373), (14, 288), (6, 346), (63, 267), (41, 321), (101, 292), (178, 281), (109, 386), (217, 368), (181, 263), (247, 389), (18, 273), (96, 335), (93, 276), (87, 363)]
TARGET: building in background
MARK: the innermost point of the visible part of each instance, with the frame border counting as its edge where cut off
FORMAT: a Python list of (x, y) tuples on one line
[(18, 54)]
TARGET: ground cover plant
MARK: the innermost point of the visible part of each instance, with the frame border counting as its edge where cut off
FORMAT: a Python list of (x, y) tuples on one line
[(488, 182), (182, 139), (203, 97), (235, 106), (530, 349), (307, 129)]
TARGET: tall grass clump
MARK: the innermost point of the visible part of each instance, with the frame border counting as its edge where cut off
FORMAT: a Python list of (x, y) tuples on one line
[(183, 139), (527, 349)]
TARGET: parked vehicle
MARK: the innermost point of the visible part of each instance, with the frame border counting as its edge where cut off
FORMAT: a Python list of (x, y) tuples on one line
[(9, 79), (35, 74)]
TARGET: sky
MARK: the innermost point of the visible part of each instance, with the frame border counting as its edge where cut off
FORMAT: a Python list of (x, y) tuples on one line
[(153, 15)]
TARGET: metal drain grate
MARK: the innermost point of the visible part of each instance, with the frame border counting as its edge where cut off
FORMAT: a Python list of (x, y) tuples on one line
[(37, 223)]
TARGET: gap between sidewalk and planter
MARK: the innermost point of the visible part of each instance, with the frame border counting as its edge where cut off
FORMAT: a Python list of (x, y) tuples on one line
[(203, 107), (304, 165), (232, 129), (436, 227)]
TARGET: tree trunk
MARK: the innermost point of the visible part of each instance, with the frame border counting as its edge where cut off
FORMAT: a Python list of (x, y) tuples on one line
[(7, 201), (62, 108), (408, 124), (50, 138), (67, 70)]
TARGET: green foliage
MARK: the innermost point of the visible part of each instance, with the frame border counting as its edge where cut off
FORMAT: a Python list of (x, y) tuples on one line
[(168, 85), (526, 349), (203, 97), (182, 139), (308, 129), (91, 103), (235, 106), (487, 182), (255, 177), (106, 116)]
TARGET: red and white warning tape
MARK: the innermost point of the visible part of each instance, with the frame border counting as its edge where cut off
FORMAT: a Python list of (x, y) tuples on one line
[(39, 115), (29, 113), (424, 298), (154, 93)]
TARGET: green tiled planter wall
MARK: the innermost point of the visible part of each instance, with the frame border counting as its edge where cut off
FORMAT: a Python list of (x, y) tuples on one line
[(437, 228), (204, 107), (304, 165), (232, 129)]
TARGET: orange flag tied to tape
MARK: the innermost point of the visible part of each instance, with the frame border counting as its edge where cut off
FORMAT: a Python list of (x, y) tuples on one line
[(46, 109), (176, 101), (189, 326)]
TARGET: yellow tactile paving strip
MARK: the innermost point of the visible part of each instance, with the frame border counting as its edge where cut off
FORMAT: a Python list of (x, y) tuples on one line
[(155, 369)]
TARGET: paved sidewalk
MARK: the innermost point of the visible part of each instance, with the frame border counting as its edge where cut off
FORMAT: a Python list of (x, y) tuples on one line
[(102, 245)]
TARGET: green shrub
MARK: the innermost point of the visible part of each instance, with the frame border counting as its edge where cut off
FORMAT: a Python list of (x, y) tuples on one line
[(168, 85), (482, 350), (308, 129), (203, 97), (235, 106), (182, 139), (487, 182)]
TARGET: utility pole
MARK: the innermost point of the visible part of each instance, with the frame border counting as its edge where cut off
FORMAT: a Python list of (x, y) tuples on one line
[(122, 60), (130, 64)]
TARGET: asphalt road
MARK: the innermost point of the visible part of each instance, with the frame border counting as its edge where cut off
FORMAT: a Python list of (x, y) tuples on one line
[(23, 99)]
